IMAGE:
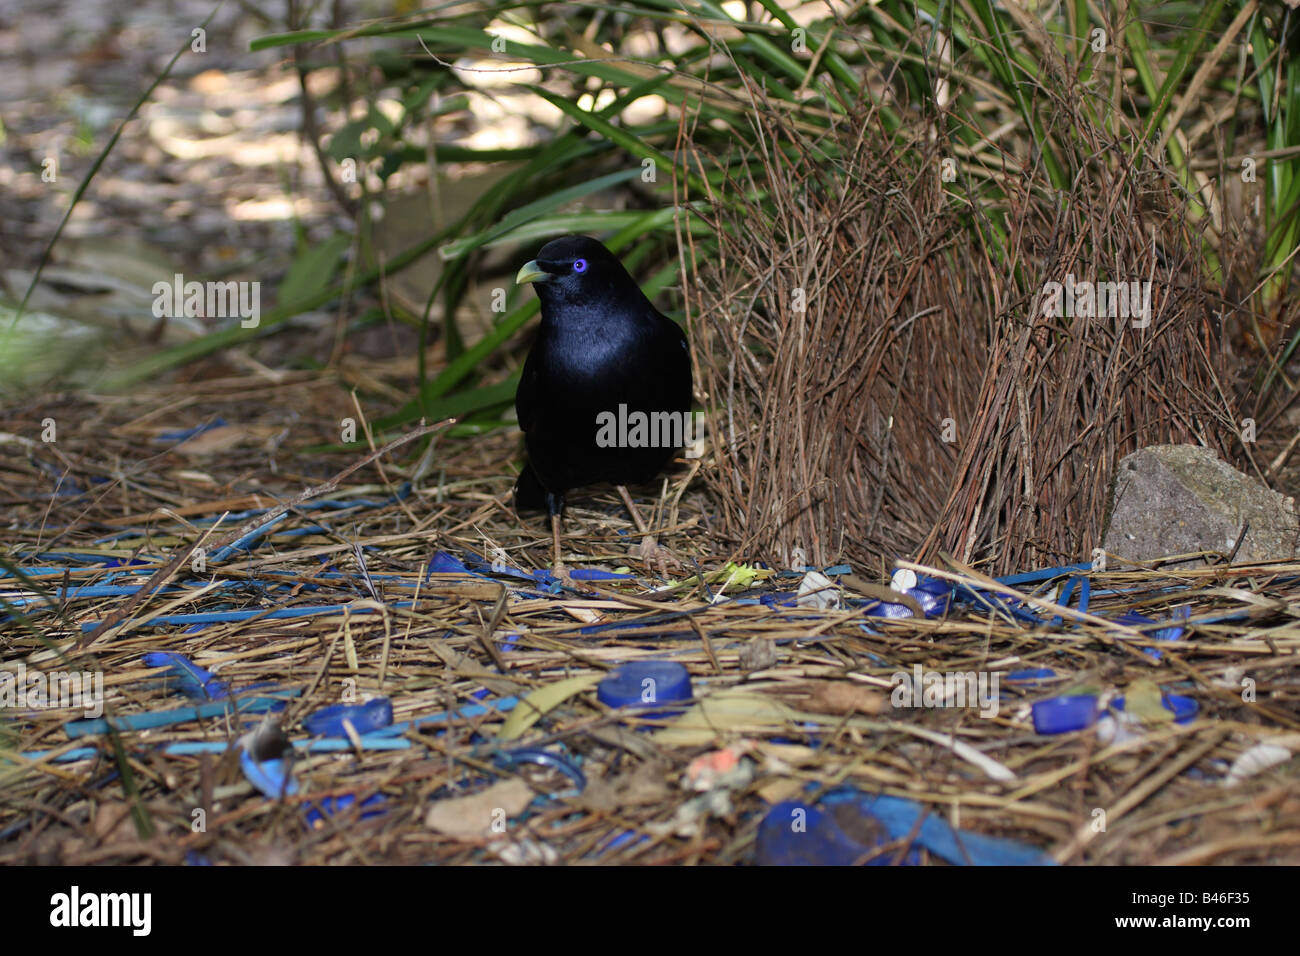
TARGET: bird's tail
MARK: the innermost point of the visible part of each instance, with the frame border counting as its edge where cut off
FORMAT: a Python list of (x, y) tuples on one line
[(529, 493)]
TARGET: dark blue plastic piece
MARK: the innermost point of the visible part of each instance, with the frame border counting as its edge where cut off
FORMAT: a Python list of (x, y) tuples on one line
[(332, 806), (1060, 715), (645, 683), (194, 681), (794, 834), (365, 718), (444, 563), (1170, 633), (933, 594), (188, 433), (1031, 675), (513, 759), (1067, 591)]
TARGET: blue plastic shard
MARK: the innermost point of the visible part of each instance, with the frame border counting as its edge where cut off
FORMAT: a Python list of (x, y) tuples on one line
[(166, 718), (194, 681), (794, 834), (849, 826), (373, 806), (1170, 632), (365, 718), (273, 778), (444, 563), (933, 594), (184, 434)]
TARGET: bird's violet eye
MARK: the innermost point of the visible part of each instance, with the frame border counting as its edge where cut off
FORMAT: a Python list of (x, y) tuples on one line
[(579, 265)]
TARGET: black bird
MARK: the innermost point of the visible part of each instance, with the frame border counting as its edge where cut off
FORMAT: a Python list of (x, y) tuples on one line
[(602, 345)]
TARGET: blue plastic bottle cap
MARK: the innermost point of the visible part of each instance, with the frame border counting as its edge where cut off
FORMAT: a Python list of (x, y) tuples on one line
[(364, 718), (1060, 715), (645, 683)]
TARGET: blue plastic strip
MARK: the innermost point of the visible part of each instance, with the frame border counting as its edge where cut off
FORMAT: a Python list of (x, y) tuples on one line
[(180, 715)]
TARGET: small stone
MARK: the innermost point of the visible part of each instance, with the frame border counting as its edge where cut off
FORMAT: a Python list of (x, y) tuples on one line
[(1176, 499)]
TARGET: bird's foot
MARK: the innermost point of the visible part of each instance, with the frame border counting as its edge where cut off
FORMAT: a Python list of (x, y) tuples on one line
[(656, 556), (560, 571)]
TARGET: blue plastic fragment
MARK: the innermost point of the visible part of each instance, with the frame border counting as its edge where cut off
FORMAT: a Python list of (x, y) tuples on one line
[(792, 834), (1043, 574), (180, 715), (184, 434), (372, 806), (596, 574), (272, 778), (1183, 708), (935, 834), (183, 748), (365, 718), (1171, 632), (512, 760), (194, 681), (1060, 715), (444, 563), (218, 617), (1063, 599), (247, 541), (933, 594), (1031, 675), (822, 841), (645, 683), (619, 840)]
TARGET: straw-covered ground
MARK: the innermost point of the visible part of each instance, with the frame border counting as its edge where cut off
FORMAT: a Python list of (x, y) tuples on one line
[(352, 590)]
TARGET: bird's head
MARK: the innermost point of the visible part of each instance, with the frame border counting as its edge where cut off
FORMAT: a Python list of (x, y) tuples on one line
[(577, 270)]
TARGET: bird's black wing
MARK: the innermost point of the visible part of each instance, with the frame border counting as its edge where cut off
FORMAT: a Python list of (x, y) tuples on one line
[(526, 393), (675, 360)]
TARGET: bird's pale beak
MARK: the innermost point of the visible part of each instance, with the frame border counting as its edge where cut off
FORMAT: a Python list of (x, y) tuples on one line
[(532, 272)]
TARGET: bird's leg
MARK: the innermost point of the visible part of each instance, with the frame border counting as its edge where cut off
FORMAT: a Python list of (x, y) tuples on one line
[(555, 505), (649, 549)]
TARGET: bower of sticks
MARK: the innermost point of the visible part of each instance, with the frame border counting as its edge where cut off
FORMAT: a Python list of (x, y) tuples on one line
[(880, 386), (201, 549)]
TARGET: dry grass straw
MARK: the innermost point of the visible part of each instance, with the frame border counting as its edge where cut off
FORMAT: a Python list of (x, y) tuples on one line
[(883, 377), (452, 648)]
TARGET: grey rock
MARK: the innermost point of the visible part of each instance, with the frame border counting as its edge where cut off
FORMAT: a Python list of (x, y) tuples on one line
[(1175, 499)]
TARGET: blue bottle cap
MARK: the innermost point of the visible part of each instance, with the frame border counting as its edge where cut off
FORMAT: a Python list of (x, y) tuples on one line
[(932, 594), (645, 683), (1060, 715), (364, 718)]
